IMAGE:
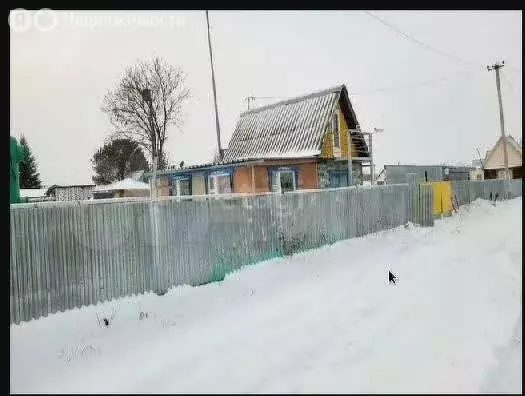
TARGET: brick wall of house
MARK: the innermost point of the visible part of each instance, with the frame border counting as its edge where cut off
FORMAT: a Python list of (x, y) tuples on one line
[(242, 179), (261, 179), (242, 176), (308, 176)]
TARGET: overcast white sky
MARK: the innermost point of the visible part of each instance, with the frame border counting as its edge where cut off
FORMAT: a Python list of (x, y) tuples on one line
[(59, 77)]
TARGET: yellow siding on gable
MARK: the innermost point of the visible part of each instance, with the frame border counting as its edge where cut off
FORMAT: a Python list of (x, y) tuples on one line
[(343, 127), (327, 150)]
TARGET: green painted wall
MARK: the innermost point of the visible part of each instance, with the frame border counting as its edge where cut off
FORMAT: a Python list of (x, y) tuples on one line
[(17, 153)]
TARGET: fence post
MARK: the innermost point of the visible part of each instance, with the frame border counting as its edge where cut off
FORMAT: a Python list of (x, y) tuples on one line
[(154, 270), (412, 187), (280, 225), (430, 210)]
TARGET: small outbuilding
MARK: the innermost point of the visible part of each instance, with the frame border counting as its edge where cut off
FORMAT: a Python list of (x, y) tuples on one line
[(121, 189)]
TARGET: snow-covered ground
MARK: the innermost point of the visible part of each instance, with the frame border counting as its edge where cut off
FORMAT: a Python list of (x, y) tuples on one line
[(322, 321)]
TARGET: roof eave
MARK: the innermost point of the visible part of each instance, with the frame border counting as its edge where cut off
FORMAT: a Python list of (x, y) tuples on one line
[(202, 168)]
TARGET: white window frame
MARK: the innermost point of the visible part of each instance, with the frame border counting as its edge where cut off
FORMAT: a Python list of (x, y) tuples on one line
[(214, 190), (177, 185), (210, 189), (335, 128), (501, 173), (279, 179)]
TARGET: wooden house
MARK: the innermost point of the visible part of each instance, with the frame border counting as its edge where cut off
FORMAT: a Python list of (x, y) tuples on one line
[(299, 143), (494, 164)]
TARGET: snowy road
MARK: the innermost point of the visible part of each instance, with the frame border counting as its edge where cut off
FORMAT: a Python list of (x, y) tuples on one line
[(322, 321)]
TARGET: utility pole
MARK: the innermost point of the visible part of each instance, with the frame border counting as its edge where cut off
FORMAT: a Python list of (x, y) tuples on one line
[(154, 274), (370, 150), (497, 67), (217, 126), (146, 96)]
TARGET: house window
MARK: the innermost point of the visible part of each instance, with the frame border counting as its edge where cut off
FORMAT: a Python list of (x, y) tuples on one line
[(181, 187), (335, 129), (338, 179), (219, 184), (287, 181), (283, 180), (502, 173)]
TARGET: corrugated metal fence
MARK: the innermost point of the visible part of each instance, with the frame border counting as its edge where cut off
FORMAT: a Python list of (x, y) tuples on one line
[(465, 192), (420, 202), (71, 254)]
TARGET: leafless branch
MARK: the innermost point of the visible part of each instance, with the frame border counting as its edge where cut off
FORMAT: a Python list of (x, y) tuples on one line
[(134, 118)]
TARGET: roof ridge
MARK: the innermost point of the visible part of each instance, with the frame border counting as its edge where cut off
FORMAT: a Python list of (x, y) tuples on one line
[(336, 88), (513, 142)]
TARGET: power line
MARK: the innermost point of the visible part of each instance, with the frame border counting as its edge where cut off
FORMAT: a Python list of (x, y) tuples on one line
[(509, 84), (385, 89), (420, 43), (397, 88), (511, 69), (515, 93)]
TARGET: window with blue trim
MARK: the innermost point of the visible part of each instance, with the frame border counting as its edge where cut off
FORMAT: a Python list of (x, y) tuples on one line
[(220, 183), (183, 187), (180, 185), (338, 179)]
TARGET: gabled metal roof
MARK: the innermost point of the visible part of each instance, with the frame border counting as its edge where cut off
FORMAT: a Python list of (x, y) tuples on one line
[(293, 128), (511, 142)]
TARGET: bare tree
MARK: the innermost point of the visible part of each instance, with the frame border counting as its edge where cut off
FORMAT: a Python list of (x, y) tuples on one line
[(145, 103)]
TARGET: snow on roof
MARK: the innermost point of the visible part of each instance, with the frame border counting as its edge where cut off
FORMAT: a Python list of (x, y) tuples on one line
[(33, 192), (510, 141), (289, 126), (514, 143), (126, 184), (461, 164), (477, 163), (289, 154)]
